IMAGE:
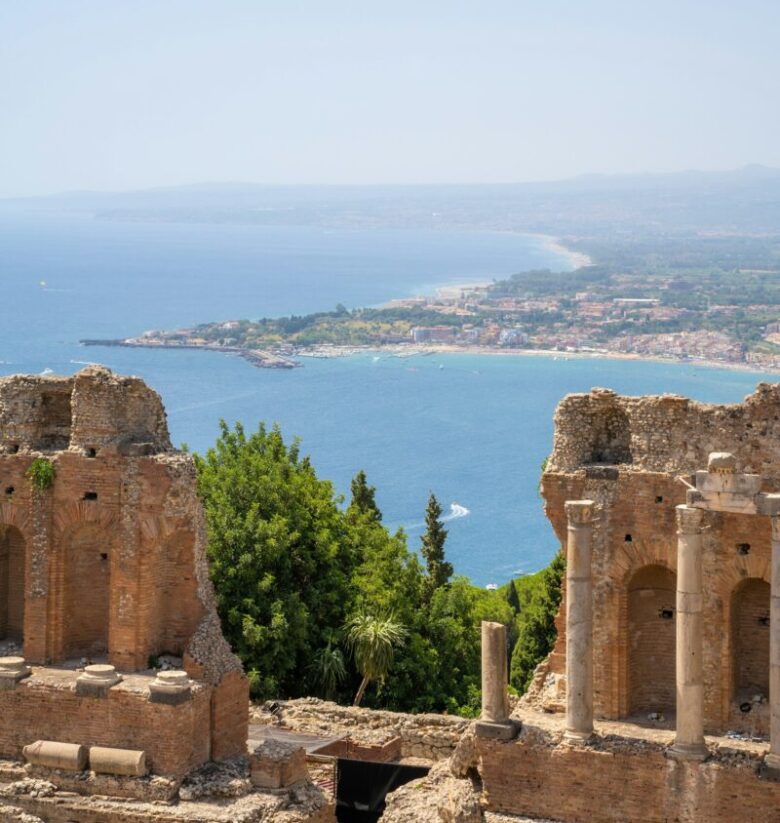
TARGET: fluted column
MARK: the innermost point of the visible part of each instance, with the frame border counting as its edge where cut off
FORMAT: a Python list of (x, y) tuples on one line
[(689, 740), (579, 620), (773, 758)]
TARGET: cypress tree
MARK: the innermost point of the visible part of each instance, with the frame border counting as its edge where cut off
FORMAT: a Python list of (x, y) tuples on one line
[(364, 497), (512, 597), (438, 569)]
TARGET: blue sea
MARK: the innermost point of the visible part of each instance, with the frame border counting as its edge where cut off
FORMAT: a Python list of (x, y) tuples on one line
[(473, 429)]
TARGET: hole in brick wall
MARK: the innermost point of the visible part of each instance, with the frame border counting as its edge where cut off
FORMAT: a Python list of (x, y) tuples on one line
[(628, 538), (14, 448), (104, 555), (666, 614), (743, 548), (659, 498), (764, 620), (91, 452), (745, 707), (90, 496), (9, 490)]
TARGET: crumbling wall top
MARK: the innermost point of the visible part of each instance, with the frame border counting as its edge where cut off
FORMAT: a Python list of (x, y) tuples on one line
[(92, 410), (666, 433)]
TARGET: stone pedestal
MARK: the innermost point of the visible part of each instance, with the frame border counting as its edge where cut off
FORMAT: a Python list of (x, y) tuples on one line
[(12, 670), (96, 680), (579, 620), (689, 738), (773, 758), (494, 721), (171, 687)]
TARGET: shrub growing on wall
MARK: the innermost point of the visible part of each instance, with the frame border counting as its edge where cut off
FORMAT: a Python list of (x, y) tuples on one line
[(41, 474)]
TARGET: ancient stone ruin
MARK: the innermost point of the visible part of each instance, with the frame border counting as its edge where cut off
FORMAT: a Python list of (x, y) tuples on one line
[(115, 679), (121, 701)]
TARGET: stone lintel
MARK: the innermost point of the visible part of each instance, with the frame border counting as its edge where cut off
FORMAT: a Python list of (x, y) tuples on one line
[(489, 730), (580, 512), (768, 504)]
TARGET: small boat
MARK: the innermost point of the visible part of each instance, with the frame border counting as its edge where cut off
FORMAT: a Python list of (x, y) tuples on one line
[(491, 587)]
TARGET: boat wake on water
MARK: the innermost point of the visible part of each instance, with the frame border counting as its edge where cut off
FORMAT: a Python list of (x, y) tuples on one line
[(456, 511)]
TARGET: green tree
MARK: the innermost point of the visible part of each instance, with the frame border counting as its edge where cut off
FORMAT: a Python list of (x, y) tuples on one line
[(512, 597), (364, 497), (536, 624), (373, 641), (438, 570), (281, 560)]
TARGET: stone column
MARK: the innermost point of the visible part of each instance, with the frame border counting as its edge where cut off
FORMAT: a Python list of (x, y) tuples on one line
[(773, 758), (495, 703), (495, 721), (689, 740), (579, 620)]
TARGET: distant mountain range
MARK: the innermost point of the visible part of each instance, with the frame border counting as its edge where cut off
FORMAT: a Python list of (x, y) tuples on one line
[(744, 201)]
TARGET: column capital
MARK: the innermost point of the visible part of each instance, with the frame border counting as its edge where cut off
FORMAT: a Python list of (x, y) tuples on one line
[(580, 512), (689, 520)]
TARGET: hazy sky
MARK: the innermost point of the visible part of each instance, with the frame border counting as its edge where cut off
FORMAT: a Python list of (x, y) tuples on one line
[(119, 94)]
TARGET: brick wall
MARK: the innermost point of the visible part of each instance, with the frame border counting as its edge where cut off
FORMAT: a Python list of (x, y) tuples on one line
[(622, 782), (229, 716), (45, 707)]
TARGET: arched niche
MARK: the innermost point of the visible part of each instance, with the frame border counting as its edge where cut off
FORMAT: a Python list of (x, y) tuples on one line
[(179, 607), (651, 640), (87, 591), (750, 639), (12, 583)]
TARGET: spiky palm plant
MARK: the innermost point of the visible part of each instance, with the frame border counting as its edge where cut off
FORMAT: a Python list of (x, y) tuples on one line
[(329, 669), (372, 641)]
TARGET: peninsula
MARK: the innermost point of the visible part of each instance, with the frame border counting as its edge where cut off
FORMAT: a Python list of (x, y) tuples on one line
[(702, 310)]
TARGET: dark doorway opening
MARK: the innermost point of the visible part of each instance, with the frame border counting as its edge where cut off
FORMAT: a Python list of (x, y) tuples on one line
[(361, 787)]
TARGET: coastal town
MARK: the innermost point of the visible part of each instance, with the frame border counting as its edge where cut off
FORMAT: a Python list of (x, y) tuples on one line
[(590, 311)]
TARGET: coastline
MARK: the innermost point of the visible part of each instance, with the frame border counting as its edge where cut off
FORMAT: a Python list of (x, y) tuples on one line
[(550, 242), (326, 352)]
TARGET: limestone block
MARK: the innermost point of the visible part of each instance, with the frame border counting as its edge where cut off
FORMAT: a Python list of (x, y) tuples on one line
[(722, 462), (126, 762), (275, 764), (56, 755)]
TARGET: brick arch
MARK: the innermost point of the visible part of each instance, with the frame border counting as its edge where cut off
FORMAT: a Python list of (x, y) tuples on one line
[(650, 657), (12, 514), (79, 512), (13, 585), (84, 586), (749, 639)]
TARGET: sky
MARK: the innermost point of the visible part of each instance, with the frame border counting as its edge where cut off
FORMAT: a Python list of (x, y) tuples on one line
[(128, 94)]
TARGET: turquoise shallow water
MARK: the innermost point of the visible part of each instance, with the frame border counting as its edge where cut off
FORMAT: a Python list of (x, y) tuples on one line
[(473, 429)]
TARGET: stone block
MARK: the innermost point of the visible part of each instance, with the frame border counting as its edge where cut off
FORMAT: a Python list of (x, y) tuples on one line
[(275, 764), (498, 731)]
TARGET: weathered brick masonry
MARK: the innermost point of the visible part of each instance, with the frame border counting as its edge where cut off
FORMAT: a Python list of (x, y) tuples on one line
[(626, 454), (108, 564)]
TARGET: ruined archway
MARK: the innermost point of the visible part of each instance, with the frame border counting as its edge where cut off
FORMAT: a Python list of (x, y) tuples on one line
[(651, 640), (12, 583), (750, 639), (87, 578)]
